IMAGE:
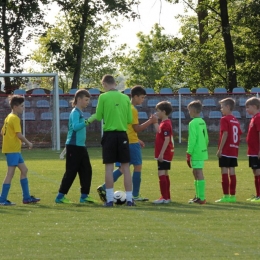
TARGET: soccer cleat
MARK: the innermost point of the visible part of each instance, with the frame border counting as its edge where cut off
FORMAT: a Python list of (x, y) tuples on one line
[(140, 198), (256, 199), (7, 203), (130, 203), (88, 199), (102, 193), (223, 200), (31, 200), (64, 200), (251, 198), (199, 201), (168, 201), (108, 204), (193, 200), (232, 199), (160, 201)]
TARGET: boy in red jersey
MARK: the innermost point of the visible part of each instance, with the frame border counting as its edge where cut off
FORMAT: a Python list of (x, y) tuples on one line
[(229, 138), (164, 149), (253, 143)]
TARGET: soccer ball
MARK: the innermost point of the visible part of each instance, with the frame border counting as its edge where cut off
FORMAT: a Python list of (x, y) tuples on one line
[(119, 197)]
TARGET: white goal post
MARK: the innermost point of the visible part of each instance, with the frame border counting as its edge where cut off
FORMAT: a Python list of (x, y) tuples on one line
[(56, 114)]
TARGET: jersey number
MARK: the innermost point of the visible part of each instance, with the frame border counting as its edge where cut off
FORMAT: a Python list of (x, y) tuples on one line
[(235, 134)]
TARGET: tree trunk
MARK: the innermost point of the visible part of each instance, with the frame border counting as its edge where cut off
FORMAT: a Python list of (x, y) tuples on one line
[(83, 27), (7, 64), (230, 59), (205, 73)]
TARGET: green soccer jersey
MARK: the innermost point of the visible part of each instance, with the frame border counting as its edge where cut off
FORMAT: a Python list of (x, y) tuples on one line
[(115, 108), (198, 139)]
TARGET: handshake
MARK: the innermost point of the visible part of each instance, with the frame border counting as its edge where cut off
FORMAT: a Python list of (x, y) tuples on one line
[(90, 119)]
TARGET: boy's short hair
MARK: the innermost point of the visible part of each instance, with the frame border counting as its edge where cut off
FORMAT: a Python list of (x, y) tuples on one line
[(137, 91), (253, 101), (165, 106), (15, 100), (109, 79), (230, 102), (80, 94), (196, 105)]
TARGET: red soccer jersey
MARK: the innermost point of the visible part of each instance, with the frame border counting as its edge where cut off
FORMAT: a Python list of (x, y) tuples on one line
[(230, 125), (165, 129), (253, 136)]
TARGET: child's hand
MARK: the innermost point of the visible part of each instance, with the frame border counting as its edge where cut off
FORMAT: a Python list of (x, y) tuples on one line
[(188, 158), (142, 144), (154, 118), (219, 153), (160, 158), (30, 145)]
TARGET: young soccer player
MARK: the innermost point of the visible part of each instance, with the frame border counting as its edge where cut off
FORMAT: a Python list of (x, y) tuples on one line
[(115, 109), (253, 143), (138, 94), (164, 149), (197, 151), (77, 158), (227, 153), (11, 147)]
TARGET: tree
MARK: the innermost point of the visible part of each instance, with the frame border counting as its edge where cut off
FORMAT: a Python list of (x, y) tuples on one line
[(85, 13), (55, 47), (16, 16)]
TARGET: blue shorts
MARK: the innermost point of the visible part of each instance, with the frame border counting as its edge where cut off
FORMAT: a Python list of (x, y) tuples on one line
[(13, 159), (135, 155)]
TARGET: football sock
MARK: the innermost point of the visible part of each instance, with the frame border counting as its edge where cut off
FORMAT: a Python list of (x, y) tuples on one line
[(201, 188), (233, 184), (116, 175), (257, 186), (225, 183), (110, 194), (60, 196), (136, 179), (196, 188), (129, 196), (5, 191), (83, 196), (163, 186), (168, 187), (25, 188)]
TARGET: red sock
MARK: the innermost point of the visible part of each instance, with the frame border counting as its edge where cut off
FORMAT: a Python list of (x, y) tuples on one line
[(257, 185), (163, 186), (233, 184), (225, 183), (168, 187)]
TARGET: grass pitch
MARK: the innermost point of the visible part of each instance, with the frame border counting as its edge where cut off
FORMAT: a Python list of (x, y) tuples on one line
[(174, 231)]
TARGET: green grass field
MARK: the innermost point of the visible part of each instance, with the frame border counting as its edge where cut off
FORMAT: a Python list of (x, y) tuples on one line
[(174, 231)]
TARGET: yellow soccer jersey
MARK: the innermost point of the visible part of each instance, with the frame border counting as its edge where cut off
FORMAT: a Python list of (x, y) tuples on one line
[(11, 143), (132, 135)]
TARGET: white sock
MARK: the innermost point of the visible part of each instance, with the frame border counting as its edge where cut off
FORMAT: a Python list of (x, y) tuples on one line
[(110, 194), (129, 196)]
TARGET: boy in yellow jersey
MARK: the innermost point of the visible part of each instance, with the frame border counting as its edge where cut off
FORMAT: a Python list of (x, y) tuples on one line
[(138, 94), (12, 141)]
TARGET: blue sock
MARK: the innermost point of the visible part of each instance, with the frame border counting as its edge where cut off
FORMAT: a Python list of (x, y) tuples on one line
[(25, 188), (136, 179), (83, 196), (60, 196), (116, 175), (5, 191)]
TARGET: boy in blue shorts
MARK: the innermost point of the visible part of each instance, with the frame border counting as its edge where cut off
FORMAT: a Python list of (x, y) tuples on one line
[(11, 147), (197, 151), (138, 94)]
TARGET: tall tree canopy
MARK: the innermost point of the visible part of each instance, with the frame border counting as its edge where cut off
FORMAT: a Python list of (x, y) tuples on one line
[(17, 16)]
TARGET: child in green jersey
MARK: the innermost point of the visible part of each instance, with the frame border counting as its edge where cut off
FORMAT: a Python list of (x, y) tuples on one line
[(197, 151)]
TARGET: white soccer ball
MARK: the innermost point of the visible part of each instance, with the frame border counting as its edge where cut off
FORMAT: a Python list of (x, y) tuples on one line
[(119, 197)]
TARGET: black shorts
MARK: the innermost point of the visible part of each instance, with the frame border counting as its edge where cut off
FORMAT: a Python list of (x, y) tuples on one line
[(163, 165), (115, 147), (254, 162), (227, 162)]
